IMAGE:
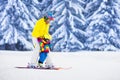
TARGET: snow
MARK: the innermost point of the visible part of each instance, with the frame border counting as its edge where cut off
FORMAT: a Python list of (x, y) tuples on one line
[(86, 65)]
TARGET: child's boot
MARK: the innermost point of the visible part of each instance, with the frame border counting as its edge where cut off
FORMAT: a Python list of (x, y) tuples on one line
[(40, 65)]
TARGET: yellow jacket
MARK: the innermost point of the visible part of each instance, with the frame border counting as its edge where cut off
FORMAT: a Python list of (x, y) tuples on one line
[(41, 29)]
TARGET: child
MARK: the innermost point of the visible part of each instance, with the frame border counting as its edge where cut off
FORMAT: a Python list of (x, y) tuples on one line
[(44, 50)]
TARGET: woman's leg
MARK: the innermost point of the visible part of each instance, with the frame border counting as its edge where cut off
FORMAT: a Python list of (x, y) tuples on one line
[(49, 62), (35, 54)]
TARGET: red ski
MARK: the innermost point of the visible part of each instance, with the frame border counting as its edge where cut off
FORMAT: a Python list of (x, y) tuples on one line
[(44, 68)]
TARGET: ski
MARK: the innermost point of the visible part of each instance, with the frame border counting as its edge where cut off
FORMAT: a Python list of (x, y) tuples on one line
[(44, 68)]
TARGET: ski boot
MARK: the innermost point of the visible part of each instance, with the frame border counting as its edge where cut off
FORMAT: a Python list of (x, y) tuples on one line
[(31, 65), (40, 65), (49, 66)]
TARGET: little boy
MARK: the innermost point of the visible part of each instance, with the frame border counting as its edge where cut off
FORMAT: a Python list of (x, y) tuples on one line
[(44, 50)]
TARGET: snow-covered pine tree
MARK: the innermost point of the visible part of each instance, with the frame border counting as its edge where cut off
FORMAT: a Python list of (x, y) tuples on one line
[(16, 25), (68, 27), (101, 25), (78, 25), (2, 14), (17, 20), (114, 33)]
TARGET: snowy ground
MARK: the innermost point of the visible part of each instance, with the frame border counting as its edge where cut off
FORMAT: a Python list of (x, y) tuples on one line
[(85, 66)]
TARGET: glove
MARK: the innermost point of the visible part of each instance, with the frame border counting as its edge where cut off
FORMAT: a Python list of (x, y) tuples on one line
[(42, 49), (34, 45)]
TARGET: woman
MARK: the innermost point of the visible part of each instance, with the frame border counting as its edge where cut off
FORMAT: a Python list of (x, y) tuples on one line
[(41, 42)]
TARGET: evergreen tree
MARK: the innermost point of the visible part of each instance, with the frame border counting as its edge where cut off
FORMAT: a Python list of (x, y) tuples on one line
[(18, 18), (68, 33), (101, 25), (78, 24)]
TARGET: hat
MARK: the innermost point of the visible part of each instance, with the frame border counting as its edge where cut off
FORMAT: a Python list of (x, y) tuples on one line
[(49, 15)]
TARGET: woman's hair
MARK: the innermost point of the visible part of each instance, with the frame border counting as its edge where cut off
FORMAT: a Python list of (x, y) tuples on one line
[(46, 18)]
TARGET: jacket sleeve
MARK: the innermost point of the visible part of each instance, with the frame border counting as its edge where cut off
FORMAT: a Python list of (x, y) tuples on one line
[(39, 28)]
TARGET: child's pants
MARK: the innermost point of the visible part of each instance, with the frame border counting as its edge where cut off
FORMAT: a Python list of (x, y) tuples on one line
[(43, 56)]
